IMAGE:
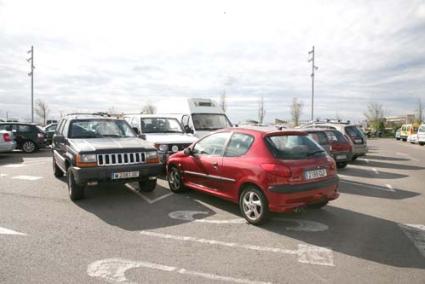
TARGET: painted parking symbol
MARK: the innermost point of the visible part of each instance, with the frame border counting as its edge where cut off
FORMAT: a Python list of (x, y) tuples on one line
[(292, 224), (113, 270), (5, 231)]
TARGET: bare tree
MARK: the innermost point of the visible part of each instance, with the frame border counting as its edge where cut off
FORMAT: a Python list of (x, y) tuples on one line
[(296, 109), (420, 110), (375, 115), (223, 102), (148, 108), (42, 110), (261, 110)]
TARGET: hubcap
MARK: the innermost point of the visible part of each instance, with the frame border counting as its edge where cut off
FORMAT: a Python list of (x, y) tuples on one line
[(252, 206), (28, 146), (174, 178)]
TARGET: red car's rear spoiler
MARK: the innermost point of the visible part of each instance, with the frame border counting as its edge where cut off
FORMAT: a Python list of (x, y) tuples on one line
[(285, 132)]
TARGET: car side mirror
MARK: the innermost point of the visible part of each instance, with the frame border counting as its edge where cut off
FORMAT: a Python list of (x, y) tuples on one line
[(58, 139), (188, 151), (135, 129), (187, 129)]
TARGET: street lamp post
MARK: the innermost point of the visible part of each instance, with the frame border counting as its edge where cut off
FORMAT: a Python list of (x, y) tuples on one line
[(31, 60), (313, 68)]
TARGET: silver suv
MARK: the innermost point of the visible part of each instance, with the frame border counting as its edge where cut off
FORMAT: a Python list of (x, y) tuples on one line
[(352, 132)]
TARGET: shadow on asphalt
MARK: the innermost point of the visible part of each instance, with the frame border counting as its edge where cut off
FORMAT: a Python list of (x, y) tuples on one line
[(18, 156), (387, 165), (367, 173), (370, 190)]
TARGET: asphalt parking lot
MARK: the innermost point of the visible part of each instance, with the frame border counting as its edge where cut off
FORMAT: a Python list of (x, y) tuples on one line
[(374, 233)]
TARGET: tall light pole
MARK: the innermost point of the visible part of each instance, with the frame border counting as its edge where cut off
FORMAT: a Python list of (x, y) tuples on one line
[(31, 60), (313, 68)]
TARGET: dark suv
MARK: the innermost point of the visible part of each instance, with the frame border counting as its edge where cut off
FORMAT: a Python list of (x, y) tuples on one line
[(91, 148), (29, 137)]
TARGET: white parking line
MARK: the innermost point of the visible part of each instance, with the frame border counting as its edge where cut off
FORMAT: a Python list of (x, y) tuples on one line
[(306, 253), (3, 175), (416, 233), (299, 225), (14, 166), (5, 231), (113, 270), (147, 199), (375, 171), (390, 187), (23, 177), (367, 186)]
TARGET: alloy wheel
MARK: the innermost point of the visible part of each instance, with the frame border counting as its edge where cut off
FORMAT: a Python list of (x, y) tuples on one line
[(28, 147), (252, 205)]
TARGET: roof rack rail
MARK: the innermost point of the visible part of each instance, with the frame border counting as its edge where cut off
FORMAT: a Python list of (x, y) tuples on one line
[(340, 121), (90, 113)]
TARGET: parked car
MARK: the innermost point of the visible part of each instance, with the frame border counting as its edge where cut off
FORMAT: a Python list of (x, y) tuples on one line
[(91, 148), (50, 131), (320, 137), (51, 121), (28, 136), (352, 132), (262, 170), (407, 130), (164, 131), (397, 134), (341, 149), (7, 143), (412, 138), (421, 134), (198, 116)]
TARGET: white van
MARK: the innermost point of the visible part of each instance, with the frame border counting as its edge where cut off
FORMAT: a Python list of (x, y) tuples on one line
[(198, 116), (421, 134), (164, 131)]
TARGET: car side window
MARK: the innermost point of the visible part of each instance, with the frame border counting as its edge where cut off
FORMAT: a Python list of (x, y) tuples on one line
[(212, 145), (6, 127), (24, 128), (238, 145)]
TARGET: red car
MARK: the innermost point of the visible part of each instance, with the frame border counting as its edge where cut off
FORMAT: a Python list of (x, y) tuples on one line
[(341, 149), (262, 170)]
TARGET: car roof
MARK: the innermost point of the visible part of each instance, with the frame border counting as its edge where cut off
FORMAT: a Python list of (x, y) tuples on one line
[(89, 116), (265, 131), (19, 123), (157, 115)]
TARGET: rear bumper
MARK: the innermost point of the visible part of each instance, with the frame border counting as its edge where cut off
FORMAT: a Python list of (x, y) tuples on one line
[(342, 156), (359, 150), (286, 198), (104, 174)]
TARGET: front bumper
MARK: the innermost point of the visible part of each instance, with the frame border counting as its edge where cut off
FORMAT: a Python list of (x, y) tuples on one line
[(287, 197), (104, 174)]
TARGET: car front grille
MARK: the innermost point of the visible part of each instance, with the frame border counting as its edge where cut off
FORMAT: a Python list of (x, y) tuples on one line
[(117, 159)]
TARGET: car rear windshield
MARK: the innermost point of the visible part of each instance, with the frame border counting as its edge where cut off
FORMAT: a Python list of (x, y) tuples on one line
[(336, 136), (100, 128), (293, 147), (319, 137), (353, 132)]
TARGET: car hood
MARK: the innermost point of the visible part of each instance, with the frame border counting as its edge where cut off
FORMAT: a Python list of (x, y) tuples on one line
[(170, 138), (99, 144)]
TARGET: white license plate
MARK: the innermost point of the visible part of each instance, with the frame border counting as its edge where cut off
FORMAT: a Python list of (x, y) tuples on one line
[(312, 174), (125, 175), (358, 141), (341, 157)]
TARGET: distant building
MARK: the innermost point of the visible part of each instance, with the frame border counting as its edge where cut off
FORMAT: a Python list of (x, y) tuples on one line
[(397, 120)]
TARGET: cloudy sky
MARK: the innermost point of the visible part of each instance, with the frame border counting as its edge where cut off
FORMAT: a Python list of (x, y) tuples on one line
[(94, 55)]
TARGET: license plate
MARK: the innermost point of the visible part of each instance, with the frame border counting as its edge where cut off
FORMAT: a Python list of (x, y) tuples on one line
[(341, 157), (358, 141), (123, 175), (312, 174)]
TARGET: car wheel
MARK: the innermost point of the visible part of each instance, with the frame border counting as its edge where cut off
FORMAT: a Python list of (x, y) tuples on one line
[(175, 180), (354, 158), (341, 165), (56, 170), (29, 147), (76, 191), (318, 205), (253, 205), (147, 185), (397, 139), (421, 143)]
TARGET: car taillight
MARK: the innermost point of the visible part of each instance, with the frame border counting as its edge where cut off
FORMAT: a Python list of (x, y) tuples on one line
[(6, 137), (277, 169), (40, 135)]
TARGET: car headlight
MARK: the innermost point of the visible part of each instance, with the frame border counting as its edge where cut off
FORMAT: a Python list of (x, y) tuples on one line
[(88, 158), (162, 147)]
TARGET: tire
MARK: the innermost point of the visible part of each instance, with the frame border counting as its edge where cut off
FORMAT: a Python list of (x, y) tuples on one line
[(421, 143), (318, 205), (29, 146), (397, 139), (253, 205), (147, 185), (76, 192), (341, 165), (57, 172), (404, 140), (354, 158), (174, 179)]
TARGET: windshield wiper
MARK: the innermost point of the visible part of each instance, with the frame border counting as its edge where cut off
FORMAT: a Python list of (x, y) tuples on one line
[(314, 153)]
